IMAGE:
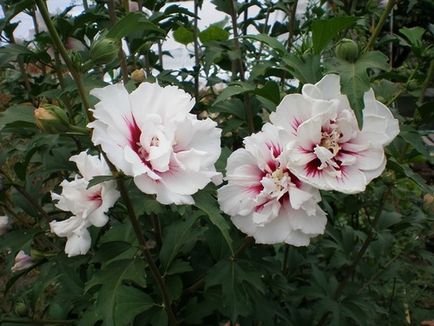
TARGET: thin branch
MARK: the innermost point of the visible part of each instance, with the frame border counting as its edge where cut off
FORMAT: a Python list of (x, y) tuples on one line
[(121, 54), (428, 79), (143, 245), (61, 48), (291, 23), (247, 104), (380, 25), (358, 258), (27, 196), (196, 52)]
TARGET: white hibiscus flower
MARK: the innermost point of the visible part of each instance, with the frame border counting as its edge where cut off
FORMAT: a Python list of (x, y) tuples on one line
[(264, 199), (330, 151), (151, 136), (88, 206)]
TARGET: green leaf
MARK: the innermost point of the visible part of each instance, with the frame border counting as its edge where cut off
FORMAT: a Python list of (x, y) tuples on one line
[(11, 52), (17, 116), (233, 90), (388, 219), (413, 35), (100, 179), (130, 303), (236, 278), (183, 35), (355, 79), (206, 203), (132, 22), (213, 33), (412, 136), (270, 91), (114, 294), (177, 235), (323, 31), (272, 42), (306, 68)]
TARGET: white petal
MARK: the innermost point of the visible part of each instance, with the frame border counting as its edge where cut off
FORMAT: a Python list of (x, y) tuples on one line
[(236, 200), (327, 88), (308, 224), (78, 243)]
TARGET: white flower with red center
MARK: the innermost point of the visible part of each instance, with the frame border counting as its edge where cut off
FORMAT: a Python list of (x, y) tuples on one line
[(151, 136), (264, 199), (330, 152), (88, 206)]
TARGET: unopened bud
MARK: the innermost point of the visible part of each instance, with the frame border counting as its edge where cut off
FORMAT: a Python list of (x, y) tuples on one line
[(4, 224), (20, 309), (51, 119), (104, 50), (347, 50), (22, 261), (138, 75)]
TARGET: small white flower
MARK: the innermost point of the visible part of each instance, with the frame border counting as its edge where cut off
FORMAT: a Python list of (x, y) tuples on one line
[(88, 206), (264, 199), (22, 261), (151, 136), (330, 152), (4, 224)]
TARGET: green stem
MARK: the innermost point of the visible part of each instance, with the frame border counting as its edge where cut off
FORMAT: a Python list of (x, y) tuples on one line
[(27, 196), (121, 54), (142, 242), (247, 104), (358, 257), (428, 79), (62, 50), (196, 53), (380, 25)]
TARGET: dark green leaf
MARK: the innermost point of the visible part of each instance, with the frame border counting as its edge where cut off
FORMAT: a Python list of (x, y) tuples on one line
[(355, 79), (206, 203), (99, 179), (323, 31)]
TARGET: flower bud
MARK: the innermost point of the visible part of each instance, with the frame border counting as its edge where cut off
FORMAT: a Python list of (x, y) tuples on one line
[(4, 224), (347, 49), (104, 50), (51, 119), (20, 309), (138, 75), (22, 261)]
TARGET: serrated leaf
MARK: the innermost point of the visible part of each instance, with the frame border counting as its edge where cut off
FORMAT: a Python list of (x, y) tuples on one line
[(213, 33), (100, 179), (307, 69), (113, 289), (355, 79), (206, 203), (177, 235), (183, 35), (130, 303), (323, 31)]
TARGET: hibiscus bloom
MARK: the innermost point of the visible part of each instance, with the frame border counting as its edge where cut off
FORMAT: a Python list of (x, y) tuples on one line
[(88, 206), (151, 136), (263, 198), (330, 151)]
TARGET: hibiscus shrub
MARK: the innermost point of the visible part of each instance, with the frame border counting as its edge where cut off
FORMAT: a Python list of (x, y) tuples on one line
[(284, 178)]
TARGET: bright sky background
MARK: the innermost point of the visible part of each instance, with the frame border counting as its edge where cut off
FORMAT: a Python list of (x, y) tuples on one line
[(181, 55)]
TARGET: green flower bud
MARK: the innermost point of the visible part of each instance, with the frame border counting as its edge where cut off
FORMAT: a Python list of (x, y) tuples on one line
[(347, 49), (104, 50), (51, 119), (20, 309)]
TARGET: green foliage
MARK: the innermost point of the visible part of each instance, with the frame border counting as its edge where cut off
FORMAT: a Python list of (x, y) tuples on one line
[(373, 266), (355, 79)]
